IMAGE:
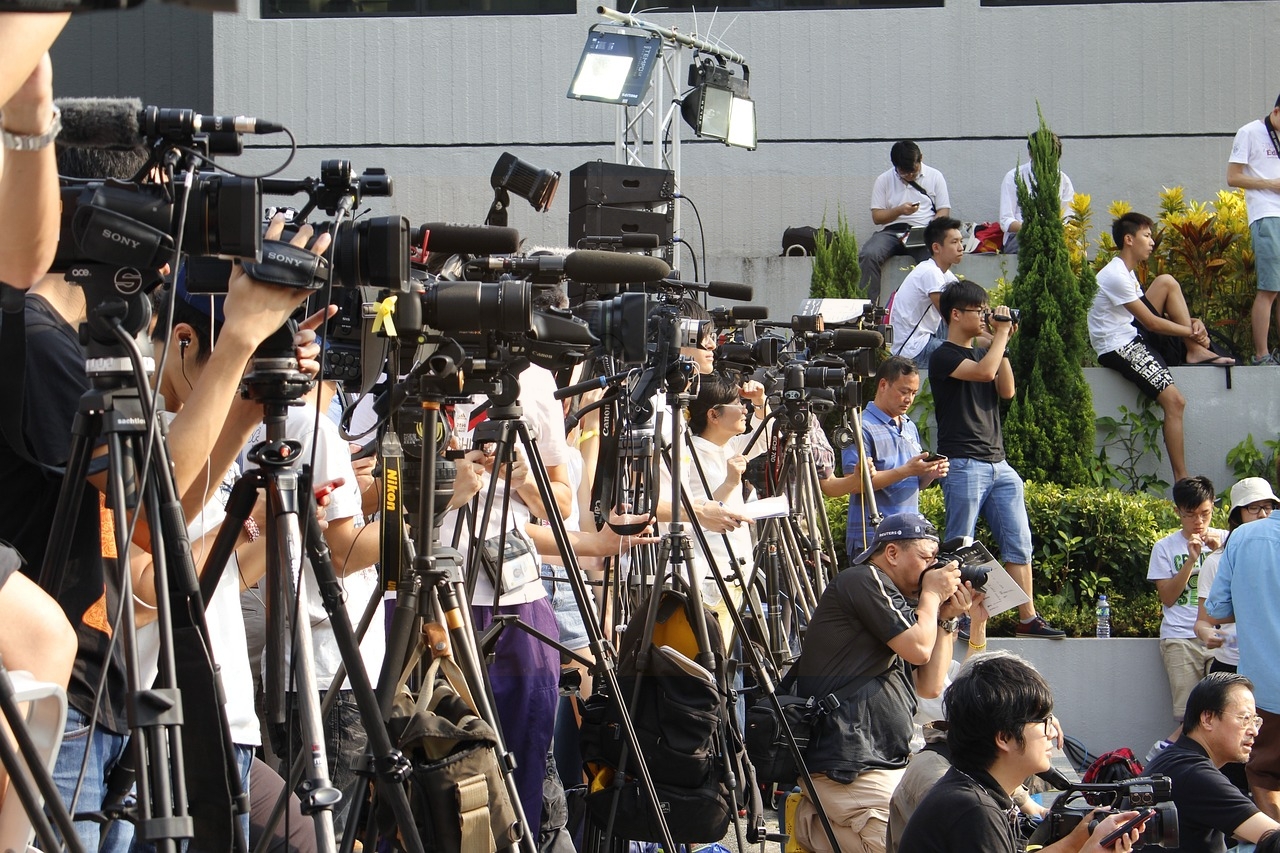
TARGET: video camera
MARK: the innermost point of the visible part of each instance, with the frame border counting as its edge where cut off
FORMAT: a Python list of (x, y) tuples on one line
[(1077, 802)]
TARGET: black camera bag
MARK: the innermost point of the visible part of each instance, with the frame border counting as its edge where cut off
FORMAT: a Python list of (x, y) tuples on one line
[(767, 746)]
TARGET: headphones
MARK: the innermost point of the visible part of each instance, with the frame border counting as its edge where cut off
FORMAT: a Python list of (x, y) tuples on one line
[(183, 343)]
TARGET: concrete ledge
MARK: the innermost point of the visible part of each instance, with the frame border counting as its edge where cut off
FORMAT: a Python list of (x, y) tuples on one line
[(1108, 693)]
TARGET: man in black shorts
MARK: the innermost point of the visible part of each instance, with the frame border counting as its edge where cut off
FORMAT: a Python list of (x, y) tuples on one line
[(1140, 334)]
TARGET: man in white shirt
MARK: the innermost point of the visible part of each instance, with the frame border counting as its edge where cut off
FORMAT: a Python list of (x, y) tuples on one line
[(1011, 211), (1164, 332), (908, 195), (913, 311), (1255, 167)]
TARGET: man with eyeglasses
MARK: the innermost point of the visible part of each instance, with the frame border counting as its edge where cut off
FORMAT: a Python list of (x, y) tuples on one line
[(1175, 570), (1247, 589), (1220, 725), (908, 195), (883, 631), (1000, 730)]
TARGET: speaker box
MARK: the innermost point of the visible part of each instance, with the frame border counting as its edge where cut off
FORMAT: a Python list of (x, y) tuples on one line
[(601, 221), (599, 182)]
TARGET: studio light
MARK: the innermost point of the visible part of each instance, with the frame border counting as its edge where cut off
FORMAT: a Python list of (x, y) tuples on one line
[(616, 65), (719, 105), (513, 175)]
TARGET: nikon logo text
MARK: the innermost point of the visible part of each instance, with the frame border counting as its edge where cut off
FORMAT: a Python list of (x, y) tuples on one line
[(116, 237), (284, 259)]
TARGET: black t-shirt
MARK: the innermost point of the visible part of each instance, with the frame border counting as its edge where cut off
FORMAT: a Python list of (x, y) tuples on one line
[(55, 380), (1209, 806), (968, 412), (847, 640), (962, 814)]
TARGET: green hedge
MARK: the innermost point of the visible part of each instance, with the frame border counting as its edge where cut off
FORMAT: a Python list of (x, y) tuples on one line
[(1086, 540)]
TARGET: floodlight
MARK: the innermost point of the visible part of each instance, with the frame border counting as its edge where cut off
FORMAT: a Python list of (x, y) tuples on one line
[(616, 65), (513, 175), (719, 106)]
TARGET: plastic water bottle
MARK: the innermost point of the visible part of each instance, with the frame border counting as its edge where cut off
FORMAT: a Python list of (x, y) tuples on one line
[(1103, 613)]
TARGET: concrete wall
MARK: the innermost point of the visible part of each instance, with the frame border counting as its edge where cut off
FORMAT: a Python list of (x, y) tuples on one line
[(1108, 693), (1146, 95)]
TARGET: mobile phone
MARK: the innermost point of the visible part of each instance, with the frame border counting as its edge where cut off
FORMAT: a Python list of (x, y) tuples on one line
[(1125, 828), (324, 491), (934, 457)]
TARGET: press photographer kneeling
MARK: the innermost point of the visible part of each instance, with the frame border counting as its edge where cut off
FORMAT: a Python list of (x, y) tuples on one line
[(867, 643)]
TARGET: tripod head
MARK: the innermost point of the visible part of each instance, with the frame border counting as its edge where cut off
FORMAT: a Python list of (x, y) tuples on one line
[(116, 303), (274, 378)]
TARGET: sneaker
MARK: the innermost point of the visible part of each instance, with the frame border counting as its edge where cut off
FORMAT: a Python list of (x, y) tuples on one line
[(1156, 748), (1037, 627), (1263, 360)]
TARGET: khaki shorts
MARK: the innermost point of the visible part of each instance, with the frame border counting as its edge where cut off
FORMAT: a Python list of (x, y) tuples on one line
[(859, 812), (1185, 662)]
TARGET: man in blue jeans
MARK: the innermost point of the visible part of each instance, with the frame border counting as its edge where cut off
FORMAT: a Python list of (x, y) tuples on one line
[(968, 384)]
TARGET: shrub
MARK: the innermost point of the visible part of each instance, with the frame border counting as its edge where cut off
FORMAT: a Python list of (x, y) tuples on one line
[(836, 274), (1086, 540)]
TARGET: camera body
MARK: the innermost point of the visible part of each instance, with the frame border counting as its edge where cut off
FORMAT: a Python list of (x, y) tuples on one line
[(1078, 802)]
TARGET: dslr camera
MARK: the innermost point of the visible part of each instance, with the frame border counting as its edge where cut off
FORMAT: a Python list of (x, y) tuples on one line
[(1078, 802)]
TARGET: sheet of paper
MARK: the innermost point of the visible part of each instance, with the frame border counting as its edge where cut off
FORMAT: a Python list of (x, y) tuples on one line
[(1002, 590), (774, 507)]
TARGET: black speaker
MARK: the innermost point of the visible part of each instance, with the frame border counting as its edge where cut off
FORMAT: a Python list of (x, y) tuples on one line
[(598, 182), (600, 221)]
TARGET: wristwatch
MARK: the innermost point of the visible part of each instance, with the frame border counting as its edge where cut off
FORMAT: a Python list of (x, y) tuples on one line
[(30, 142), (949, 625)]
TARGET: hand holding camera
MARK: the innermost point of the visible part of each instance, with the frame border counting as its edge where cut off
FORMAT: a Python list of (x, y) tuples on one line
[(942, 581), (254, 310)]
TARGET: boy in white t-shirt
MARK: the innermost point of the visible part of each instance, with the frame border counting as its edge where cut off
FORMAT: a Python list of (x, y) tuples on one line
[(1139, 334), (1254, 166), (1175, 570), (914, 311)]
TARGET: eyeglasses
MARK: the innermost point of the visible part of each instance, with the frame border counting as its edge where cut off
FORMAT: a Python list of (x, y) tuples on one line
[(1249, 721), (737, 404), (1206, 513), (1263, 508), (973, 310), (1046, 722)]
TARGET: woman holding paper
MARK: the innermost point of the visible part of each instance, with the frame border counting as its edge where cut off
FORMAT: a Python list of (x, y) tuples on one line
[(721, 446)]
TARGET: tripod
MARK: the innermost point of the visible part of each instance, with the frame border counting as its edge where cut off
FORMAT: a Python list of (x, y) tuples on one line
[(275, 382), (118, 409)]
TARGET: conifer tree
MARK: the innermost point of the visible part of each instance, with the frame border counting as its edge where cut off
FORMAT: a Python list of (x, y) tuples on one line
[(1049, 430), (836, 273)]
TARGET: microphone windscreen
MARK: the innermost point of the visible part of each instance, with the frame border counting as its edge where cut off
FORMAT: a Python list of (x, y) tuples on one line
[(100, 123), (730, 290), (594, 267), (749, 312), (467, 239), (857, 339)]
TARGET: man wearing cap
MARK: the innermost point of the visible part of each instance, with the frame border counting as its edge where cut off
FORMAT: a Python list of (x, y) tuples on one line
[(1247, 590), (882, 632)]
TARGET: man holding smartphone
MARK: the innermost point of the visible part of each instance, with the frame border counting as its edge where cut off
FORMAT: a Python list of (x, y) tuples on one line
[(908, 195), (898, 465)]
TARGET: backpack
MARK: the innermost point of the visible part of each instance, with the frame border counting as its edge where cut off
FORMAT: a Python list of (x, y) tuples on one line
[(687, 734), (1114, 766)]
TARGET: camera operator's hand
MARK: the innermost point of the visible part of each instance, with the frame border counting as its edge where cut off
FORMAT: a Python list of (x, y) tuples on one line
[(753, 391), (255, 310), (1093, 842), (1000, 322), (715, 517), (959, 602), (307, 344), (942, 582), (468, 479)]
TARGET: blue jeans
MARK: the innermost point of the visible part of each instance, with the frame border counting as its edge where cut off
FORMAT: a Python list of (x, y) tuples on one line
[(103, 752), (995, 490), (244, 761), (346, 742)]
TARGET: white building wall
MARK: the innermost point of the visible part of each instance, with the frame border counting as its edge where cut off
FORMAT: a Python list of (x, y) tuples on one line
[(1146, 95)]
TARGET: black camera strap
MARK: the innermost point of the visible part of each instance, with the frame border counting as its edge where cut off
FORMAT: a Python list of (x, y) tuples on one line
[(933, 207), (1275, 140)]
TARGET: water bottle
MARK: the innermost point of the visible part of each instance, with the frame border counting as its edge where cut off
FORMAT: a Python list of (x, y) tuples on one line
[(1103, 613)]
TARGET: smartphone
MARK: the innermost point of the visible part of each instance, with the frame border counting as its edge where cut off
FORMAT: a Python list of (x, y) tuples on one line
[(934, 457), (324, 491), (1125, 828)]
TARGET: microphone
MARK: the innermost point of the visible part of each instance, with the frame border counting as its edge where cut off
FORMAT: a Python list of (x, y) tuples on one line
[(125, 123), (725, 316), (100, 123), (455, 239), (843, 339), (730, 290), (595, 267), (626, 241)]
